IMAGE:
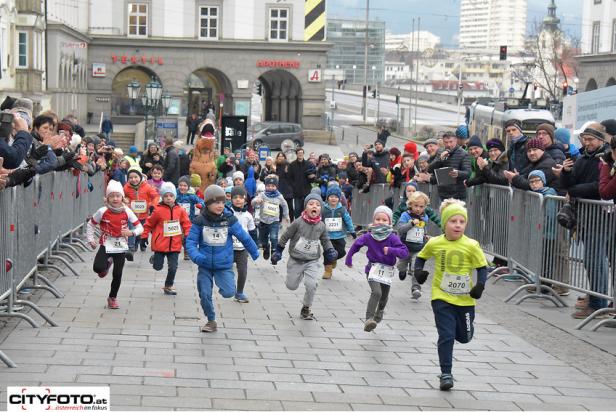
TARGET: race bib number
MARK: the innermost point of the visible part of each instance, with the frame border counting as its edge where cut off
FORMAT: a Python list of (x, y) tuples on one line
[(307, 247), (456, 284), (237, 245), (415, 235), (116, 244), (215, 236), (139, 206), (381, 273), (333, 224), (171, 228), (186, 207), (271, 209)]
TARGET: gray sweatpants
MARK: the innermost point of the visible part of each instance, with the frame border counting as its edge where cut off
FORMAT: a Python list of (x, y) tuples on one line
[(406, 265), (310, 271)]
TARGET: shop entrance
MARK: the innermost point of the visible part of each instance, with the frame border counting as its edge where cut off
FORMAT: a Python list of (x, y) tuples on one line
[(282, 96), (206, 89)]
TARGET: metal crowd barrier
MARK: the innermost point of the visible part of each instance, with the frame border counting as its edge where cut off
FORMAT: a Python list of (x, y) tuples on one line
[(37, 226)]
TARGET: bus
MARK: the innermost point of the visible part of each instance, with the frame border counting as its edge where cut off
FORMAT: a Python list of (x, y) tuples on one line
[(487, 119)]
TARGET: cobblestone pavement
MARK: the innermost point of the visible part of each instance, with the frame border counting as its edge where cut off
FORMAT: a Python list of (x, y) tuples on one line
[(153, 356)]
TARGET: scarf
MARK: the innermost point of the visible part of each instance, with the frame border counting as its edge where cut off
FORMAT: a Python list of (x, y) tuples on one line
[(381, 232), (114, 209), (212, 217), (310, 220), (239, 209), (272, 194)]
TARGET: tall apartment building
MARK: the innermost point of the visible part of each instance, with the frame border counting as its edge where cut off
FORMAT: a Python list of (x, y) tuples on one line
[(410, 41), (489, 24)]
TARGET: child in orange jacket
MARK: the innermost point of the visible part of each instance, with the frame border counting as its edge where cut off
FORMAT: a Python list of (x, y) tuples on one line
[(169, 223), (141, 199)]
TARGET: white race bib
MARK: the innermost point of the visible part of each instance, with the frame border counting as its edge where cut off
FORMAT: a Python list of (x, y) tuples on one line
[(381, 273), (333, 224), (271, 209), (307, 247), (139, 206), (415, 235), (237, 245), (215, 236), (456, 284), (116, 244), (186, 207), (171, 228)]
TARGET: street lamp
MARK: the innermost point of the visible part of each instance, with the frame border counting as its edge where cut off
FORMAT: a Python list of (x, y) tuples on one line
[(166, 102), (134, 87), (150, 100), (332, 104)]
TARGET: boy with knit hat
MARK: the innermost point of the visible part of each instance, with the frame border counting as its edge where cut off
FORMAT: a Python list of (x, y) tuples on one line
[(169, 224), (338, 224), (307, 235), (113, 219), (270, 202), (141, 198), (384, 247), (453, 291), (240, 256), (210, 246), (195, 185)]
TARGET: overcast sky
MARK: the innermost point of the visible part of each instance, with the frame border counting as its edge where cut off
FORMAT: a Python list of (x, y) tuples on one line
[(441, 16)]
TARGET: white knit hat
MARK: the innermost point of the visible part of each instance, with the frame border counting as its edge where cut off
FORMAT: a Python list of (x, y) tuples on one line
[(238, 175), (114, 187), (383, 209), (167, 187)]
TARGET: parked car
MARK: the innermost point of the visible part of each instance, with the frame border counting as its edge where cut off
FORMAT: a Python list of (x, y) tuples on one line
[(274, 133)]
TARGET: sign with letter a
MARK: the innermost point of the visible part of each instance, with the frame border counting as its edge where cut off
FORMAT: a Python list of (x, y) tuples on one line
[(314, 76)]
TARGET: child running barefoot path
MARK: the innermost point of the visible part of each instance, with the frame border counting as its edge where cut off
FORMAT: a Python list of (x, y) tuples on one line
[(113, 220), (306, 235), (210, 246), (384, 246), (453, 293)]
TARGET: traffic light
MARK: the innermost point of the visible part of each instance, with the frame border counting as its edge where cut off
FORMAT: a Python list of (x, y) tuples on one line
[(503, 52), (260, 89), (398, 98), (565, 88)]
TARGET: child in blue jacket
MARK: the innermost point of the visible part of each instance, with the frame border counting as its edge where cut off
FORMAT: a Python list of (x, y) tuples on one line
[(210, 246), (338, 223)]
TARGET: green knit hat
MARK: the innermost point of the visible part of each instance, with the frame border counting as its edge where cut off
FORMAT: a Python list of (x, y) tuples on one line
[(451, 211)]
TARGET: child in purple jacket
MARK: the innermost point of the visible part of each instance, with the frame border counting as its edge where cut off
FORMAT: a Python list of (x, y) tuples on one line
[(384, 246)]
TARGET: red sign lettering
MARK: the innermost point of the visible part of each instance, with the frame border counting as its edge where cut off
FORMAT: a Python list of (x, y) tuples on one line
[(279, 64), (124, 59)]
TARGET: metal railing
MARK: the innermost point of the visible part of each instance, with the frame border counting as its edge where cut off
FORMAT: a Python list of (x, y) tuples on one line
[(37, 227)]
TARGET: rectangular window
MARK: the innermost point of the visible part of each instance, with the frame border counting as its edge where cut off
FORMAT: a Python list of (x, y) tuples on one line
[(22, 49), (208, 23), (137, 19), (596, 27), (279, 24)]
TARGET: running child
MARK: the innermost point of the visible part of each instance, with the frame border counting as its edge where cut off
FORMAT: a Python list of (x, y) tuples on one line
[(384, 246), (210, 246), (141, 198), (453, 291), (113, 219), (412, 231), (156, 177), (338, 223), (195, 185), (306, 236), (168, 223), (270, 203), (240, 255), (190, 202)]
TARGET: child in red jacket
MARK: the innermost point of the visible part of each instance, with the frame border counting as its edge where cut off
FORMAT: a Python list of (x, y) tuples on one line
[(169, 223)]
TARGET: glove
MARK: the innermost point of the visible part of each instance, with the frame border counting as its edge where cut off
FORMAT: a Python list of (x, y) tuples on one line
[(354, 235), (421, 275), (402, 275), (477, 291), (277, 255), (330, 255)]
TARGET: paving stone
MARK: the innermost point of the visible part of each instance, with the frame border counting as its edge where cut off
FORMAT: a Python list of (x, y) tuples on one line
[(311, 387), (247, 405), (212, 393), (279, 395), (311, 406), (332, 397), (272, 377), (372, 407), (179, 402)]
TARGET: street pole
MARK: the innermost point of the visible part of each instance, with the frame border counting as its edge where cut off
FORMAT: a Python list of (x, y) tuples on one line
[(459, 91), (378, 104), (333, 102), (398, 110), (417, 76), (411, 76), (365, 100)]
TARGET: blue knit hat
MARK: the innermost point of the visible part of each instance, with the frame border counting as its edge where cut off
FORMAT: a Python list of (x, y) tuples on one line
[(563, 135), (539, 174), (334, 190)]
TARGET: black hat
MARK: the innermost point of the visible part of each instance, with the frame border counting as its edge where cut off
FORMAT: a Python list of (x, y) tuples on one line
[(474, 141), (610, 126), (238, 191), (8, 103)]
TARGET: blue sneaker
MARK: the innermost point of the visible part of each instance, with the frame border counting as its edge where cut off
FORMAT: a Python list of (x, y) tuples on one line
[(241, 298)]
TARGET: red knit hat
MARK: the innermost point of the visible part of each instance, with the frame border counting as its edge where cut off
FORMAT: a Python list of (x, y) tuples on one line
[(535, 143), (411, 147)]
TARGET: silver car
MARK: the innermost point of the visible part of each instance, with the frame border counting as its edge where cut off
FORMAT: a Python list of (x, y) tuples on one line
[(274, 133)]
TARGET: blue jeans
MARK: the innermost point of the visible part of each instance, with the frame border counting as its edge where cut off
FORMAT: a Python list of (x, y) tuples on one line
[(595, 241), (172, 265), (452, 323), (269, 233), (132, 240), (224, 279)]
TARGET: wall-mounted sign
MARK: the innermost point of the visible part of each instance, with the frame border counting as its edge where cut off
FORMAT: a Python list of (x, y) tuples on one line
[(99, 70), (243, 84), (102, 99), (314, 76), (279, 64), (124, 59), (74, 45)]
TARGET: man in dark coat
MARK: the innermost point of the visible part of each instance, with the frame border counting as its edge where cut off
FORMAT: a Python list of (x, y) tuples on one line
[(455, 157), (517, 145), (298, 175), (538, 159), (379, 160), (171, 164)]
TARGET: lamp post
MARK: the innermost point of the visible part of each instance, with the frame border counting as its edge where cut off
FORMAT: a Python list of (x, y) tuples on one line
[(134, 87), (332, 104), (150, 100)]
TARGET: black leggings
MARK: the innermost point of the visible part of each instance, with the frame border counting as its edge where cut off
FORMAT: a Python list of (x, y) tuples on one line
[(340, 246), (101, 265)]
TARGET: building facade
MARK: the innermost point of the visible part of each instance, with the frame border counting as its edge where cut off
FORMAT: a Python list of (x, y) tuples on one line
[(596, 64), (419, 40), (348, 38), (489, 24)]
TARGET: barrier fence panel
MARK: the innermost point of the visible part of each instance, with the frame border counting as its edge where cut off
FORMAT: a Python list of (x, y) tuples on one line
[(525, 239), (364, 203), (6, 219)]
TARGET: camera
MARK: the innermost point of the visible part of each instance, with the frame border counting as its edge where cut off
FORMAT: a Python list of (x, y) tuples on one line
[(6, 124)]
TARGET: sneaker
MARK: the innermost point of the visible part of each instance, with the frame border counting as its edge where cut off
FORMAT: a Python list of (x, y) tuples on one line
[(266, 253), (446, 381), (112, 303), (369, 325), (416, 293), (328, 272), (209, 327), (186, 257), (378, 317), (129, 256), (586, 312), (402, 274), (306, 314), (168, 290), (143, 245), (241, 298), (582, 302)]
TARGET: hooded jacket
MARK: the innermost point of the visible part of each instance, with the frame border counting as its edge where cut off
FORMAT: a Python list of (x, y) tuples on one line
[(302, 231), (171, 164), (375, 253), (607, 178), (557, 152), (493, 173), (517, 154), (143, 192), (339, 212), (156, 223), (191, 202), (583, 180)]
